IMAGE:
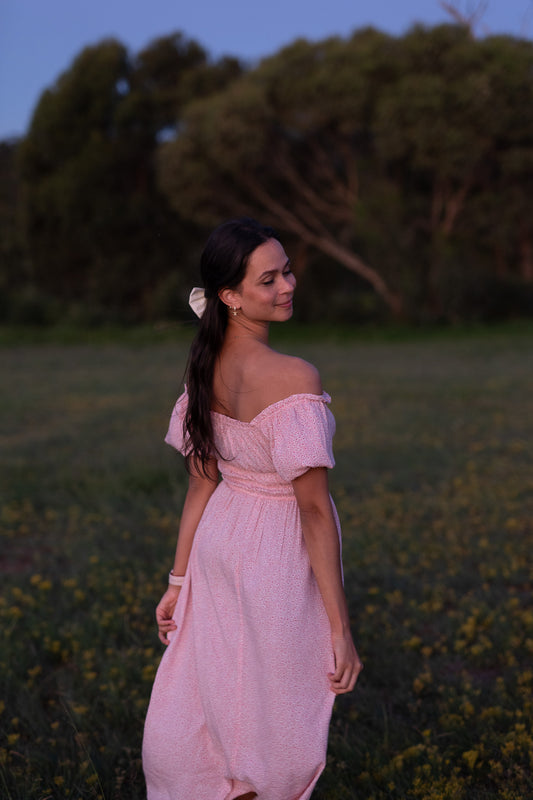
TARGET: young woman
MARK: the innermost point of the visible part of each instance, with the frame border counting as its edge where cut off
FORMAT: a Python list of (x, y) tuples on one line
[(254, 616)]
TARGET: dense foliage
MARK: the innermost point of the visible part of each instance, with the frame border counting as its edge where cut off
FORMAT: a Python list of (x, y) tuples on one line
[(398, 170)]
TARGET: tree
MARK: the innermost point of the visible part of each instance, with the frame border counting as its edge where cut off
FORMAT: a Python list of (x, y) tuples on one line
[(451, 126), (13, 261), (289, 141), (470, 18), (99, 230), (375, 152), (508, 187)]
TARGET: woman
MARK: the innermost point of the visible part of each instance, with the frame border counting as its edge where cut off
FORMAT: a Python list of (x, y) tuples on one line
[(255, 611)]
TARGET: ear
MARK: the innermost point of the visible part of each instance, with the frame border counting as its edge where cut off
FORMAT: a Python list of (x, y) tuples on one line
[(230, 297)]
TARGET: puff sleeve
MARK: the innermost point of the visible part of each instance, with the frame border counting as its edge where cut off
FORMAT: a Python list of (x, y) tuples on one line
[(174, 435), (300, 430)]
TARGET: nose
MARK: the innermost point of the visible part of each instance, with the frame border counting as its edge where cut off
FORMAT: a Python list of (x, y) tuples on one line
[(290, 282)]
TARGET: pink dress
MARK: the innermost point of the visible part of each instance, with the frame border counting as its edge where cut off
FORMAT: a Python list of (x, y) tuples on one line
[(241, 701)]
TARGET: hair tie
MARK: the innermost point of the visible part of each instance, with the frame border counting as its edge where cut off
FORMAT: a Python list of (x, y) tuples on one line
[(197, 301)]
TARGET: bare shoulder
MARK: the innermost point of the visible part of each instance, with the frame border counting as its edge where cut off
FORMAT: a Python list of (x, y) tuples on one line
[(292, 375)]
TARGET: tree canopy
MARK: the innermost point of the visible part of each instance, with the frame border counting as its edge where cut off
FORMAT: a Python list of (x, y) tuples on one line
[(400, 167)]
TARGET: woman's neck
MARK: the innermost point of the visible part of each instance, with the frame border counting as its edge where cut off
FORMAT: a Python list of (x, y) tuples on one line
[(242, 328)]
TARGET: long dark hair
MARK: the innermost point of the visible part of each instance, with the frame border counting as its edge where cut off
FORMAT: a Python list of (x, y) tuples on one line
[(222, 266)]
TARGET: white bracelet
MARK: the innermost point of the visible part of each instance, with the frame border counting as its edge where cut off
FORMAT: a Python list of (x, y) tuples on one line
[(175, 580)]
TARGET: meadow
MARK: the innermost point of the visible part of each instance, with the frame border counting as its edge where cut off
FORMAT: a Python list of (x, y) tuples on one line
[(434, 486)]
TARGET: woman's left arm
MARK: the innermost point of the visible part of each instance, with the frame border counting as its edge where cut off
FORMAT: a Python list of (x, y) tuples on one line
[(322, 541), (201, 487)]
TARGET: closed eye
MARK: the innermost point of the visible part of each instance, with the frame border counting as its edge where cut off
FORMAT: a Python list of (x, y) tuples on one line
[(285, 271), (271, 280)]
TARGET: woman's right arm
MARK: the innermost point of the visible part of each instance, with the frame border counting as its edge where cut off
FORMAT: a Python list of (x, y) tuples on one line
[(200, 489), (322, 542)]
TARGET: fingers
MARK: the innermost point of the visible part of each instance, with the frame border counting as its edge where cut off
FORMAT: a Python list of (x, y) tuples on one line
[(164, 628), (163, 637), (345, 677), (166, 625), (348, 665), (163, 615)]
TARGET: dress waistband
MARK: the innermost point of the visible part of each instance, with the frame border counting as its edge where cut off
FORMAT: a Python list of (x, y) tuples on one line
[(264, 485)]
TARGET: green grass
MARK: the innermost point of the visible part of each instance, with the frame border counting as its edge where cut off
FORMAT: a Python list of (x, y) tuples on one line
[(434, 485)]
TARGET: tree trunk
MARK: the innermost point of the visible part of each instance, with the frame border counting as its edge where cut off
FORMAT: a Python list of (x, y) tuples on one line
[(327, 244), (347, 258)]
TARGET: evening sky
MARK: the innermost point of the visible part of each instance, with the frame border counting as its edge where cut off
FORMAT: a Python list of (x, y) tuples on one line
[(40, 38)]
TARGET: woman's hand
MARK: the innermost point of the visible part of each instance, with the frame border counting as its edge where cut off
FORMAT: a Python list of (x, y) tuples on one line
[(347, 664), (164, 612)]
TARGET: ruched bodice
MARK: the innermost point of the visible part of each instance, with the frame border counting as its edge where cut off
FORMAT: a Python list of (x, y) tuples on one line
[(286, 438), (267, 484)]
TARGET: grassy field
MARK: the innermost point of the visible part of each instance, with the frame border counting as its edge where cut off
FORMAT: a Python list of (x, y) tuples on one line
[(434, 485)]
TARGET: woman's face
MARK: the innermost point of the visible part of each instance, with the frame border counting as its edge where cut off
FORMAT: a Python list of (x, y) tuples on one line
[(265, 293)]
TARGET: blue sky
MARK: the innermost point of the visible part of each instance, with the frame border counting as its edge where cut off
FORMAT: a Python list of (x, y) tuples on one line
[(40, 38)]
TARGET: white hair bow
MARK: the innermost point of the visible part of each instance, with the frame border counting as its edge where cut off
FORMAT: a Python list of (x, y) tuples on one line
[(197, 301)]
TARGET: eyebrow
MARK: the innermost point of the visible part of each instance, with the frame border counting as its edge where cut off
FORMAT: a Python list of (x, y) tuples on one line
[(271, 271)]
